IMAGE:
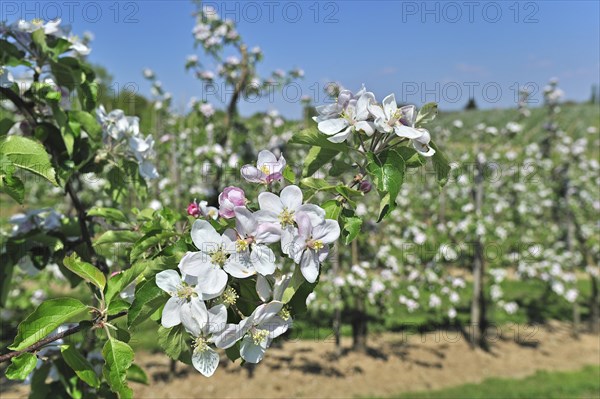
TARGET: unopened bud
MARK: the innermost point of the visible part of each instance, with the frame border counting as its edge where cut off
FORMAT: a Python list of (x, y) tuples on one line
[(365, 186)]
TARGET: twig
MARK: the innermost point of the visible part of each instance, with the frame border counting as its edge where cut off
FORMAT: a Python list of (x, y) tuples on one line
[(45, 341)]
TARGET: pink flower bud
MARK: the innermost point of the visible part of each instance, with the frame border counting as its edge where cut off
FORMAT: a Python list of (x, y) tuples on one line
[(229, 199), (193, 209)]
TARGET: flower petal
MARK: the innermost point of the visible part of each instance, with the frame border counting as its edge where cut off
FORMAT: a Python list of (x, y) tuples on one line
[(263, 288), (332, 126), (245, 222), (389, 106), (171, 315), (240, 266), (168, 280), (204, 236), (263, 259), (231, 334), (327, 232), (407, 131), (194, 316), (266, 158), (251, 352), (291, 197), (309, 265), (270, 202), (206, 362), (211, 282), (194, 263), (217, 319), (252, 174), (265, 312)]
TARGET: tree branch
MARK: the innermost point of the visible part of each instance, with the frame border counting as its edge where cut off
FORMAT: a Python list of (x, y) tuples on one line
[(45, 341)]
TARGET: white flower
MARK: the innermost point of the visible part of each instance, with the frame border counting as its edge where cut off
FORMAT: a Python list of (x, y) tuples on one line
[(309, 248), (401, 121), (202, 325), (282, 210), (216, 255), (257, 331), (268, 168), (250, 244), (208, 211), (184, 292), (352, 119)]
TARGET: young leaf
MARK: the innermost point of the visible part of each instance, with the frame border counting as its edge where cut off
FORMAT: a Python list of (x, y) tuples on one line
[(21, 366), (110, 214), (316, 158), (174, 341), (313, 137), (46, 318), (118, 358), (136, 374), (351, 228), (387, 170), (440, 164), (427, 113), (148, 298), (121, 236), (28, 154), (80, 365), (12, 186), (85, 270)]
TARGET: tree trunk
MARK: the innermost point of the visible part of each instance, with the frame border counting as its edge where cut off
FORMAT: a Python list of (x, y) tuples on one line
[(337, 313), (478, 305), (594, 306), (359, 314)]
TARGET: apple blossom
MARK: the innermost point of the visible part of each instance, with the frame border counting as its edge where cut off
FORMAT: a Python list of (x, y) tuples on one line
[(353, 118), (282, 210), (202, 325), (267, 322), (309, 248), (184, 292), (268, 168)]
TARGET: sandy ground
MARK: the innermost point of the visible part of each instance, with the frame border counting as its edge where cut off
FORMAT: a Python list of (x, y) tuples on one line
[(394, 363)]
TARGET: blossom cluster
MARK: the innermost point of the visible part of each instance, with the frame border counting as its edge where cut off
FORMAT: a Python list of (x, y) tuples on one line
[(202, 290), (22, 31), (118, 128), (359, 113)]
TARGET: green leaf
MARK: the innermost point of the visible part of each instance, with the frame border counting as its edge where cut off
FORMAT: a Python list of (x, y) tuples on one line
[(316, 184), (316, 158), (46, 318), (440, 164), (117, 306), (88, 122), (386, 206), (119, 282), (314, 138), (426, 114), (297, 303), (387, 170), (351, 229), (21, 366), (174, 341), (148, 299), (28, 154), (111, 214), (136, 374), (10, 55), (340, 166), (120, 236), (80, 365), (295, 283), (349, 194), (289, 175), (333, 209), (12, 186), (148, 241), (118, 358), (412, 159), (85, 270)]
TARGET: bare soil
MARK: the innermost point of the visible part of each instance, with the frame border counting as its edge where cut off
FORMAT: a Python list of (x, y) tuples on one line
[(394, 363)]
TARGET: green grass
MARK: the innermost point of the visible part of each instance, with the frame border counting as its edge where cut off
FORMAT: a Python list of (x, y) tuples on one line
[(584, 383)]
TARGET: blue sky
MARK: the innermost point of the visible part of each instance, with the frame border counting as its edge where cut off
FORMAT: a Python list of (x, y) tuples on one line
[(421, 51)]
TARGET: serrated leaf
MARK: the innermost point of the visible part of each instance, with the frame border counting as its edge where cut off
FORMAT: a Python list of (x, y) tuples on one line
[(88, 122), (386, 206), (387, 170), (426, 114), (21, 366), (111, 214), (314, 138), (316, 158), (333, 209), (118, 358), (351, 229), (85, 270), (46, 318), (117, 236), (80, 365), (119, 282), (28, 154), (13, 186), (289, 175), (148, 298), (136, 374), (174, 341), (440, 164), (412, 159)]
